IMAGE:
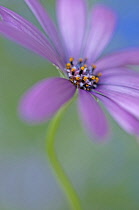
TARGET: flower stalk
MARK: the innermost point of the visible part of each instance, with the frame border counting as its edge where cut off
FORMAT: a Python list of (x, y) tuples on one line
[(55, 163)]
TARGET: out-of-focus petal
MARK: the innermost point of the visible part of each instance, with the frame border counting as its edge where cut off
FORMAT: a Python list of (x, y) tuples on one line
[(23, 32), (92, 116), (101, 30), (127, 98), (114, 71), (72, 18), (126, 79), (119, 89), (118, 59), (46, 22), (45, 98), (125, 119)]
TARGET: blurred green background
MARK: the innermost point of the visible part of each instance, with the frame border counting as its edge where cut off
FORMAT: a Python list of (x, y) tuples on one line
[(106, 176)]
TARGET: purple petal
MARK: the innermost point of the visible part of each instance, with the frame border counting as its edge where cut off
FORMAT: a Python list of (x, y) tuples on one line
[(23, 32), (92, 115), (123, 78), (46, 22), (114, 71), (119, 89), (101, 30), (127, 98), (129, 57), (126, 120), (44, 99), (72, 19)]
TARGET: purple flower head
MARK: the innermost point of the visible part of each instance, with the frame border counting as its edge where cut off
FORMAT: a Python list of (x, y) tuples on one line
[(75, 49)]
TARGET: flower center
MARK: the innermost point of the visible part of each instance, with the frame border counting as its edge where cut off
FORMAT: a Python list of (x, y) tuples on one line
[(81, 75)]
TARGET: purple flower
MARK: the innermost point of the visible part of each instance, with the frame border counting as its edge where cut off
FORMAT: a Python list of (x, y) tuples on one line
[(108, 79)]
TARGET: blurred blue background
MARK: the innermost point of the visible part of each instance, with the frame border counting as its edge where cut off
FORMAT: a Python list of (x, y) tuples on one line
[(106, 176)]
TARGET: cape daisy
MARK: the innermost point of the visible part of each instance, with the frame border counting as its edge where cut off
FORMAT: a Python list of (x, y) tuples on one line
[(75, 49)]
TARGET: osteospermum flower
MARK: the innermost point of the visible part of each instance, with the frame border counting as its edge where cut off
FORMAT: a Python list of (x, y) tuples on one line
[(74, 49)]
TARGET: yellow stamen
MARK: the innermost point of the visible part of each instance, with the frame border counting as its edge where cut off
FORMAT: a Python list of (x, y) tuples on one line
[(68, 65), (93, 77), (85, 78), (80, 60), (85, 66), (99, 74), (73, 70), (97, 79), (77, 78), (94, 66), (72, 80), (82, 68), (71, 59)]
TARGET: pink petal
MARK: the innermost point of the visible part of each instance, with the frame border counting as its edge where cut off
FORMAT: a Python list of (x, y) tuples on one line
[(92, 116), (23, 32), (72, 19), (125, 119), (102, 26), (127, 98), (44, 99), (114, 71), (119, 89), (129, 78), (128, 57), (46, 22)]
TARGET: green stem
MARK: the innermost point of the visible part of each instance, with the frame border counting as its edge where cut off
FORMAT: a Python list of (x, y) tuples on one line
[(59, 171)]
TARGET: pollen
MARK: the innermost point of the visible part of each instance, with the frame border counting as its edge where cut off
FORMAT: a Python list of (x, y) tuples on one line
[(82, 68), (99, 74), (77, 78), (68, 65), (97, 79), (85, 66), (94, 66), (80, 60), (81, 75), (93, 77), (85, 78), (71, 59)]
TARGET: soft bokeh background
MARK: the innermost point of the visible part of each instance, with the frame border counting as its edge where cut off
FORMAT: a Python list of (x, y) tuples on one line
[(106, 176)]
